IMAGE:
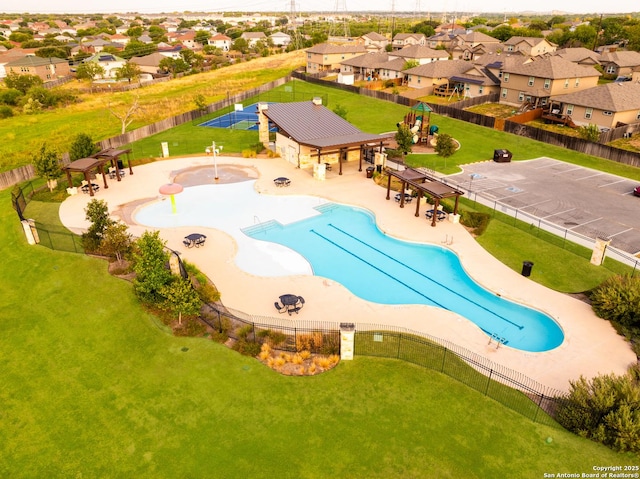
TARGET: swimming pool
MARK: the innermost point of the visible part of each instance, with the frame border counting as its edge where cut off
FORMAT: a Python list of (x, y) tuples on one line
[(343, 243)]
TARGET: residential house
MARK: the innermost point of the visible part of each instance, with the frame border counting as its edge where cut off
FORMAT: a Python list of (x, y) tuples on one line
[(362, 67), (530, 46), (431, 75), (401, 40), (170, 51), (149, 63), (536, 80), (109, 62), (47, 69), (221, 41), (280, 39), (419, 54), (607, 106), (96, 45), (7, 56), (620, 63), (444, 40), (579, 55), (253, 38), (374, 42), (327, 57), (393, 70), (465, 46), (119, 39)]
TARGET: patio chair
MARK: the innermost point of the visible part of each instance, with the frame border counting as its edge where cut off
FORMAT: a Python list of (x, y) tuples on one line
[(294, 310), (187, 243), (200, 241), (281, 309)]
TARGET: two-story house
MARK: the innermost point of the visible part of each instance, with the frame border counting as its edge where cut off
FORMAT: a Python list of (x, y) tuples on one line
[(620, 63), (374, 42), (327, 57), (607, 106), (221, 41), (47, 69), (536, 80), (401, 40), (420, 54), (465, 46), (529, 46)]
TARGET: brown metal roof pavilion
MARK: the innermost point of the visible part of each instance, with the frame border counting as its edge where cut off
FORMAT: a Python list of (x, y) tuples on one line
[(424, 184), (97, 161)]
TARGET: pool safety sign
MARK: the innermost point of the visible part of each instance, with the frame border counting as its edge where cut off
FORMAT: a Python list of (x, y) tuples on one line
[(347, 336)]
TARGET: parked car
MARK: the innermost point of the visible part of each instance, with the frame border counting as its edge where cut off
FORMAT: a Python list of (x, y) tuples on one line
[(636, 190)]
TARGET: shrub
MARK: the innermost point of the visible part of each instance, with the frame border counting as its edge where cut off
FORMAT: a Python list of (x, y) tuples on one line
[(191, 327), (605, 410), (249, 153), (10, 96), (272, 338), (247, 348), (244, 331), (617, 299), (5, 111), (208, 293), (478, 222)]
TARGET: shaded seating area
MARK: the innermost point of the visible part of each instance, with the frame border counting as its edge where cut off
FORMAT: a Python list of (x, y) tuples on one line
[(96, 164), (424, 184)]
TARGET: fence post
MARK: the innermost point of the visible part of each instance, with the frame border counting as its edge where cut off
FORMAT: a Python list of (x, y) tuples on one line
[(399, 340), (535, 416), (486, 391), (444, 356)]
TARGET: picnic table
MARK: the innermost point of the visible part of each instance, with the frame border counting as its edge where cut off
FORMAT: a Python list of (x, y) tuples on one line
[(291, 303), (282, 181), (194, 239)]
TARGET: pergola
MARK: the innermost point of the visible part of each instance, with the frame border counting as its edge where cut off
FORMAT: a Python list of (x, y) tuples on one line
[(424, 184), (96, 161)]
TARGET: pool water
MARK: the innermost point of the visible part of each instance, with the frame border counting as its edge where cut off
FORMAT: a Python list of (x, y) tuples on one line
[(344, 244), (285, 235)]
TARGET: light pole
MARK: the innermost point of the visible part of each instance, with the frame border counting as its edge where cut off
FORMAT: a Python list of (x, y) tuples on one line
[(216, 152)]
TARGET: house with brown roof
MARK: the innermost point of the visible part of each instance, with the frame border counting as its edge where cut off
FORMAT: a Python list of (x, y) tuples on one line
[(620, 63), (607, 106), (327, 57), (465, 46), (309, 135), (579, 55), (362, 67), (47, 69), (374, 42), (536, 80), (531, 46), (434, 74), (420, 54), (401, 40), (253, 38)]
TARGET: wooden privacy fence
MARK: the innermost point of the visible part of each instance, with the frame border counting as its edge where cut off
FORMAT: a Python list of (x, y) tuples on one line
[(572, 143)]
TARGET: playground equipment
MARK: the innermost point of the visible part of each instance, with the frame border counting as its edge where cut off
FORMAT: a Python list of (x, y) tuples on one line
[(418, 120)]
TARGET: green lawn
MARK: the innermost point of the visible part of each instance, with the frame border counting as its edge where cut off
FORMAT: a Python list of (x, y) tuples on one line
[(93, 386)]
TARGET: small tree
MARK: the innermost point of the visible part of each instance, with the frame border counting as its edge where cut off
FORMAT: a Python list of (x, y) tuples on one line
[(150, 260), (404, 139), (128, 71), (47, 165), (89, 71), (126, 116), (116, 241), (445, 145), (97, 213), (82, 147), (180, 297), (22, 83), (201, 102)]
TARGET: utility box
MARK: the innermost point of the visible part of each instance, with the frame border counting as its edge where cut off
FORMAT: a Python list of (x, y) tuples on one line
[(502, 156)]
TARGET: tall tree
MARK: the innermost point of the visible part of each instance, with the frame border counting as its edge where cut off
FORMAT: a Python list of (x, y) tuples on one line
[(150, 259), (82, 147), (180, 297)]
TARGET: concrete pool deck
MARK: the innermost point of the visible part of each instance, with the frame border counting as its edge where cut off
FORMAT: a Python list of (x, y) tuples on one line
[(591, 345)]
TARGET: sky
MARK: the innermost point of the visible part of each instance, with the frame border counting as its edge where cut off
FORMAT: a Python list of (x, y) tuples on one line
[(423, 6)]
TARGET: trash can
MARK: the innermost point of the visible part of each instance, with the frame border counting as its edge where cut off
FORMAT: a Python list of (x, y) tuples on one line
[(526, 268), (502, 156), (370, 170)]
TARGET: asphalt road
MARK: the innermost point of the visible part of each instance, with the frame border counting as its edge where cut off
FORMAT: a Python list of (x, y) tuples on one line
[(575, 198)]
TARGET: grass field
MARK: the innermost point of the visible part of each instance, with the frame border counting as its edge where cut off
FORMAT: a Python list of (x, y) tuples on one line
[(93, 386)]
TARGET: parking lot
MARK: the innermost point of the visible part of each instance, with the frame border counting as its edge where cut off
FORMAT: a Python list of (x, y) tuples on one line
[(585, 201)]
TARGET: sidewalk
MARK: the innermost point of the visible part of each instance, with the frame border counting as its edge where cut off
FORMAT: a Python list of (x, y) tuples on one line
[(591, 346)]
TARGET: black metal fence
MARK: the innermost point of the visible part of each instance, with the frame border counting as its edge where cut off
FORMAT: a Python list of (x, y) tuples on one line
[(510, 388)]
